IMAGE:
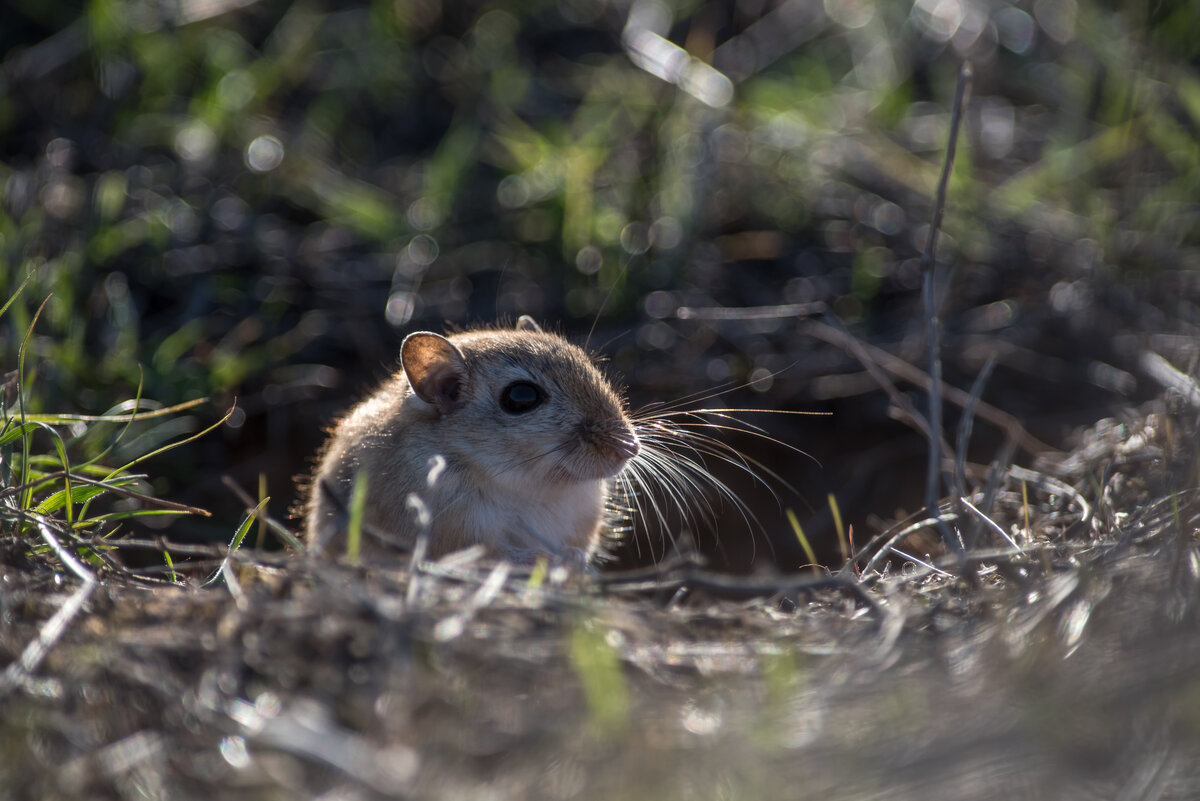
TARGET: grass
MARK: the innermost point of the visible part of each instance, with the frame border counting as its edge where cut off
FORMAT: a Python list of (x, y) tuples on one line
[(57, 482)]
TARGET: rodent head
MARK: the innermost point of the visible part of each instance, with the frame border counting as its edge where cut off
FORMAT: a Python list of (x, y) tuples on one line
[(523, 403)]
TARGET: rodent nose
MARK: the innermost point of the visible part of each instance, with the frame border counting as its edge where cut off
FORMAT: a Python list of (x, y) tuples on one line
[(625, 445), (619, 443)]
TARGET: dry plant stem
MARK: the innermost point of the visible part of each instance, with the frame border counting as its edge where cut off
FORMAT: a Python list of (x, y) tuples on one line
[(483, 597), (995, 475), (252, 507), (1044, 482), (684, 573), (895, 539), (1169, 377), (928, 265), (419, 549), (21, 669), (870, 356), (884, 543), (965, 425), (750, 312), (876, 361)]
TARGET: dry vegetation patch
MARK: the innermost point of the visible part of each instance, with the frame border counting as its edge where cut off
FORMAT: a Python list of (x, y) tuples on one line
[(1061, 665)]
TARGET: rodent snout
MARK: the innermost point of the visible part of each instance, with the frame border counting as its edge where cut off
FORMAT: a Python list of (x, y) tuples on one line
[(626, 445), (618, 444)]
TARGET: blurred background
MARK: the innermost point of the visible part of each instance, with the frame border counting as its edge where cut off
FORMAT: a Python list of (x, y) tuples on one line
[(255, 201)]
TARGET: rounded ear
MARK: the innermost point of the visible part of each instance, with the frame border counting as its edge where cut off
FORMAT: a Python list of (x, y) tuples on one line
[(435, 369), (527, 323)]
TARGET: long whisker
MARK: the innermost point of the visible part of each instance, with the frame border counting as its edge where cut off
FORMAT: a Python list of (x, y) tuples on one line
[(756, 411), (607, 296), (702, 395), (683, 477), (735, 425), (681, 480), (634, 474), (709, 446), (684, 430), (722, 389)]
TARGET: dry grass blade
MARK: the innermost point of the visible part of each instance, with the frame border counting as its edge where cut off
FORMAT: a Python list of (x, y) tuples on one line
[(23, 667)]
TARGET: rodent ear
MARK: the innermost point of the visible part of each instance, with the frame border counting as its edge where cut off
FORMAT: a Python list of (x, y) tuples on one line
[(527, 323), (435, 369)]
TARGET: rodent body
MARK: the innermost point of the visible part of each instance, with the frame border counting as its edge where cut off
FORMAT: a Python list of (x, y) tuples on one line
[(504, 437)]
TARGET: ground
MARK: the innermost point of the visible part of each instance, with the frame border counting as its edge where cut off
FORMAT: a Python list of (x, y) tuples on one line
[(222, 218)]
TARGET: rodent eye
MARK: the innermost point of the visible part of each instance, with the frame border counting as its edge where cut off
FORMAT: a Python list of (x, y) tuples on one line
[(520, 397)]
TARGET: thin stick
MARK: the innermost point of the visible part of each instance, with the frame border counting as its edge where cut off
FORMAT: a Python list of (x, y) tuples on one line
[(21, 669), (933, 466), (874, 365), (965, 424), (253, 507), (873, 356), (1168, 376)]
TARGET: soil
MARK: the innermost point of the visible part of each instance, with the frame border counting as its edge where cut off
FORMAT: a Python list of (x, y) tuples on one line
[(1057, 657)]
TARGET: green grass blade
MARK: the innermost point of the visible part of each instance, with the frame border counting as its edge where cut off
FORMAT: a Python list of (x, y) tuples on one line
[(242, 530), (808, 550), (166, 411), (57, 500), (27, 496), (171, 567), (17, 294), (14, 433), (173, 445), (596, 663), (358, 502)]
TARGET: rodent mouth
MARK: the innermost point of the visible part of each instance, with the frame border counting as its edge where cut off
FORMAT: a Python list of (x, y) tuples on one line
[(597, 454), (614, 449)]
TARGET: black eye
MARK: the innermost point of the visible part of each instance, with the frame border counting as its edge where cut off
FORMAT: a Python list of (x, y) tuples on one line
[(520, 397)]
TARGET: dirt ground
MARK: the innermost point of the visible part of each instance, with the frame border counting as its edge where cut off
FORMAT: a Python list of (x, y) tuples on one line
[(1056, 658)]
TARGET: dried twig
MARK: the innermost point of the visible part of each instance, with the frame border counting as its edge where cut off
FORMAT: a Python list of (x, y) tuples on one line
[(18, 671), (867, 353), (929, 297), (1169, 377)]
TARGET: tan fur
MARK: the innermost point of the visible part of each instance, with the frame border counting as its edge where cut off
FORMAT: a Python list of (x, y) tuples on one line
[(435, 437)]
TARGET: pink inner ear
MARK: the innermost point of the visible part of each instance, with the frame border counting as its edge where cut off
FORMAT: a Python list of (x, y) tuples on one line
[(435, 369), (445, 382)]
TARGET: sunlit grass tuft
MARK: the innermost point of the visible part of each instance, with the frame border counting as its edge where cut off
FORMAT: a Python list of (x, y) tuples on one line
[(59, 470)]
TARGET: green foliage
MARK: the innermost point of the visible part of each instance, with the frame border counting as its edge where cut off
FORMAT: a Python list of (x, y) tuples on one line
[(53, 467), (598, 668), (358, 503)]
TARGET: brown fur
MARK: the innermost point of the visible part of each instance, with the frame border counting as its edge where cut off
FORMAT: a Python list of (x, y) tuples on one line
[(441, 452)]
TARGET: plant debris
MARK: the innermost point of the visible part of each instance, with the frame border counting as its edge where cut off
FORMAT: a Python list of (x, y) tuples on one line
[(1056, 657)]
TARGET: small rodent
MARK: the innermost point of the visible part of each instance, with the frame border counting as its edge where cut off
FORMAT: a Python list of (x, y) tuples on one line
[(504, 437)]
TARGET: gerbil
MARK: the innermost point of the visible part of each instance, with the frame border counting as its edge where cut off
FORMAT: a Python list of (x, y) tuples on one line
[(504, 437)]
